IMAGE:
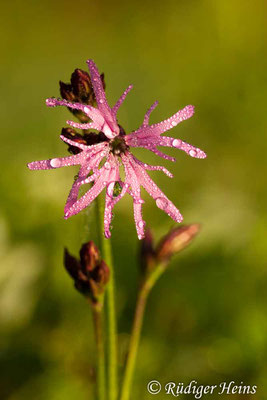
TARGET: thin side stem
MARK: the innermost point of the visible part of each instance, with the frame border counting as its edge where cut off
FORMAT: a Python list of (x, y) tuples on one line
[(136, 330), (101, 378), (112, 328), (134, 343)]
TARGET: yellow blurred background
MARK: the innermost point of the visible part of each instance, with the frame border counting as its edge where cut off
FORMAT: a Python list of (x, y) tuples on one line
[(206, 319)]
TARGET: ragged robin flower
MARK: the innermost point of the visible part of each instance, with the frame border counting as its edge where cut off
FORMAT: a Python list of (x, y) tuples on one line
[(100, 163)]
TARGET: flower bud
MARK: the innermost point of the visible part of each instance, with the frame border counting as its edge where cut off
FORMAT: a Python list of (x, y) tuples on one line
[(66, 91), (175, 241), (72, 265), (90, 257), (90, 273), (82, 85), (99, 277)]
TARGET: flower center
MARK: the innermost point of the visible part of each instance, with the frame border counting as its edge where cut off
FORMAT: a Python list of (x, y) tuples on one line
[(118, 145)]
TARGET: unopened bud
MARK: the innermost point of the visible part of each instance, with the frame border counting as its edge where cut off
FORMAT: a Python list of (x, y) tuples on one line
[(99, 278), (66, 91), (79, 90), (90, 256), (175, 241), (81, 84), (72, 265), (90, 273)]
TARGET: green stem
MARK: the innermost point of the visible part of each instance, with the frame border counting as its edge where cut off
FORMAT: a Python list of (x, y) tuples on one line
[(98, 325), (112, 328), (136, 329)]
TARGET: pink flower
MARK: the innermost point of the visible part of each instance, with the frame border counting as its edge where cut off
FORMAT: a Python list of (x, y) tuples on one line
[(100, 163)]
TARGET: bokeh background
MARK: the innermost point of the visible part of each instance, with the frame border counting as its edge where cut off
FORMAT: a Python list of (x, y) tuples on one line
[(206, 319)]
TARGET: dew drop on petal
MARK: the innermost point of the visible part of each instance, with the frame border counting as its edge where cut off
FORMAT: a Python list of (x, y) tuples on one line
[(86, 109), (140, 237), (55, 162), (101, 101), (107, 234), (162, 203), (176, 142), (107, 165), (174, 123), (138, 201), (192, 153), (110, 189), (141, 224)]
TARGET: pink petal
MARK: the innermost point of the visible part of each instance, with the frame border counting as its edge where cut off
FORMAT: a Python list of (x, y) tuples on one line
[(147, 115), (114, 176), (167, 124), (179, 144), (121, 100), (90, 125), (87, 148), (100, 183), (143, 179), (92, 163), (90, 111), (154, 167), (55, 162), (111, 129), (133, 181)]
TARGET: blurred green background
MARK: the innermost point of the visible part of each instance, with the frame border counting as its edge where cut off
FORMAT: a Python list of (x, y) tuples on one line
[(206, 319)]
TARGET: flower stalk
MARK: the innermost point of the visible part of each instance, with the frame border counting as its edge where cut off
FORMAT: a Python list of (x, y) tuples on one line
[(137, 328), (99, 337), (111, 313), (153, 262)]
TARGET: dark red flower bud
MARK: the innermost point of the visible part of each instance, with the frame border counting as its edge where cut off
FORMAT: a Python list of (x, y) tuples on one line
[(72, 265), (66, 91), (90, 273), (79, 90), (90, 257), (99, 278), (81, 84)]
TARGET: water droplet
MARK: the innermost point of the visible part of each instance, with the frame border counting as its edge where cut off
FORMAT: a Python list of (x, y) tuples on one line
[(55, 163), (50, 102), (174, 123), (86, 109), (101, 101), (192, 153), (138, 201), (141, 224), (162, 203), (107, 165), (110, 189), (176, 142)]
